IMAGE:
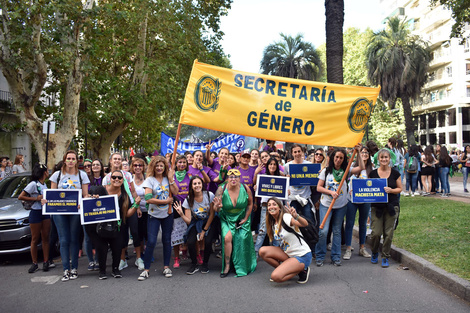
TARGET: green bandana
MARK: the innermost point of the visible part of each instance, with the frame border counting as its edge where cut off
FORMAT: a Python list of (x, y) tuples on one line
[(338, 174), (180, 175)]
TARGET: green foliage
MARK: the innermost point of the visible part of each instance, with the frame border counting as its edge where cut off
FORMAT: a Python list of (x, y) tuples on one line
[(436, 230), (354, 57), (385, 123), (291, 57), (460, 13)]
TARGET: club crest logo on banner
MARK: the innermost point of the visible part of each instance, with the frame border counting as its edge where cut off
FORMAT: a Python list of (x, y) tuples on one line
[(359, 114), (206, 93)]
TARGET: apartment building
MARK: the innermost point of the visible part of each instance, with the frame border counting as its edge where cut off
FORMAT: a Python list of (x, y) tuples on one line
[(442, 112)]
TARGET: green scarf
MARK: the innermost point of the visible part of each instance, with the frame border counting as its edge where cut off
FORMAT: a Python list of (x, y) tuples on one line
[(180, 175), (338, 174)]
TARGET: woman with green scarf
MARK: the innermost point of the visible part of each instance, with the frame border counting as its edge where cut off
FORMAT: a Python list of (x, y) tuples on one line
[(179, 190), (328, 183)]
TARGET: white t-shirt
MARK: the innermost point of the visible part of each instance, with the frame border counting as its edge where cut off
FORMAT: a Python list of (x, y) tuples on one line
[(140, 191), (127, 176), (18, 169), (302, 191), (200, 209), (35, 189), (290, 244), (362, 175), (68, 181), (332, 184), (160, 191)]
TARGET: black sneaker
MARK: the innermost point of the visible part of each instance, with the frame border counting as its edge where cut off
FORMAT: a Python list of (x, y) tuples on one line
[(34, 267), (51, 264), (192, 269), (45, 266), (117, 273), (102, 276), (303, 276), (204, 268)]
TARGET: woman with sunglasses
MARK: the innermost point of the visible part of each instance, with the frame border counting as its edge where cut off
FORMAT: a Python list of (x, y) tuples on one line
[(138, 167), (364, 161), (68, 226), (234, 203), (198, 214), (39, 223), (293, 257), (87, 167), (159, 200), (180, 190)]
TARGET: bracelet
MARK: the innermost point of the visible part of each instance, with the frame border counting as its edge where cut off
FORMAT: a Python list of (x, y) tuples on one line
[(204, 230), (172, 183), (201, 170), (297, 217)]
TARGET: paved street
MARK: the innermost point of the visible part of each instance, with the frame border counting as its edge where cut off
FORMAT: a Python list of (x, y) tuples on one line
[(357, 286)]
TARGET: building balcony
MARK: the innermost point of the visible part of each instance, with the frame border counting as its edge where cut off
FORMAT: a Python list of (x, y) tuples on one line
[(466, 53), (440, 61), (435, 18), (427, 104), (437, 82), (6, 101)]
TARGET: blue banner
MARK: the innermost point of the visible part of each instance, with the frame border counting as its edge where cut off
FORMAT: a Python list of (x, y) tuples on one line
[(304, 174), (272, 186), (235, 143), (369, 190), (97, 210), (62, 201)]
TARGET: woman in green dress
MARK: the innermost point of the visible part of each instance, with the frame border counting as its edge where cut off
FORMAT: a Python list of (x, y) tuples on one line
[(234, 203)]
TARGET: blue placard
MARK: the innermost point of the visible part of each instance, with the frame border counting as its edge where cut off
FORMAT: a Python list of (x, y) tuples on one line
[(304, 174), (97, 210), (272, 186), (369, 190), (62, 201)]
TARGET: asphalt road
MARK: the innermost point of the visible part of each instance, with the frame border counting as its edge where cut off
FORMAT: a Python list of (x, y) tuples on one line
[(357, 286)]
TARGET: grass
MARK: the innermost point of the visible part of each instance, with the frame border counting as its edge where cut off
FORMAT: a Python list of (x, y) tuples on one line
[(437, 230)]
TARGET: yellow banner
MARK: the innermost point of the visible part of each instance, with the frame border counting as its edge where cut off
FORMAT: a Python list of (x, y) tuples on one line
[(277, 108)]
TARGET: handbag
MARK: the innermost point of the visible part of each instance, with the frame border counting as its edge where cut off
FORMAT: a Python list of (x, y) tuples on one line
[(109, 230), (27, 205)]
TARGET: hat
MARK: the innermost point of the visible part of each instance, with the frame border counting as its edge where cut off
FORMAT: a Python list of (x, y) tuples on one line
[(245, 152)]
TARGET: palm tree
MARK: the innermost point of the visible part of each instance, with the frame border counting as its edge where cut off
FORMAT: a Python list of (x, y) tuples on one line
[(334, 13), (398, 61), (291, 57)]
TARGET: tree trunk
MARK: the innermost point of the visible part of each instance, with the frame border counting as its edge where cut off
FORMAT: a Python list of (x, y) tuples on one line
[(101, 146), (409, 125), (334, 12)]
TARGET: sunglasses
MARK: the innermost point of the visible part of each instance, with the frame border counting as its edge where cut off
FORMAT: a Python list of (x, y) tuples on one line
[(116, 177), (318, 154), (137, 165), (87, 166)]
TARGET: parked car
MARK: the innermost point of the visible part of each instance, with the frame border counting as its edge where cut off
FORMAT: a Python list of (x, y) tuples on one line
[(15, 234)]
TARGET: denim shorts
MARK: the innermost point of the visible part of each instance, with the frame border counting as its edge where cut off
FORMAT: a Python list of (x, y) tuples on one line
[(306, 259), (36, 216)]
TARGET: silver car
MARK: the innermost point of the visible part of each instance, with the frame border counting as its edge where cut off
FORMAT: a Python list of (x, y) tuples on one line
[(15, 234)]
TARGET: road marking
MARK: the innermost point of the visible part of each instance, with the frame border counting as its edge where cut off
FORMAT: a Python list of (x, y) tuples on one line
[(49, 280)]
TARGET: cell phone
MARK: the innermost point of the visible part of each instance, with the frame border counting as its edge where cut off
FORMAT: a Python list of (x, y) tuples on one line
[(198, 237), (237, 225)]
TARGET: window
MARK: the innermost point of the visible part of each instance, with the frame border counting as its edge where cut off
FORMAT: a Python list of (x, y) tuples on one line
[(422, 121), (441, 116), (449, 71), (452, 137), (432, 139), (466, 137), (442, 138), (432, 117), (465, 116), (422, 140), (452, 117)]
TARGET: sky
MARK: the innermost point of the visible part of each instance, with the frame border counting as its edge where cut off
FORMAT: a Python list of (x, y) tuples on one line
[(251, 25)]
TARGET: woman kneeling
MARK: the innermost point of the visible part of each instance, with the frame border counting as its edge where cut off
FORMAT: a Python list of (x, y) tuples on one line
[(293, 256)]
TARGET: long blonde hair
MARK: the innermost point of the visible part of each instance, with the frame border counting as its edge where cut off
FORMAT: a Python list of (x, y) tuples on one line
[(153, 163)]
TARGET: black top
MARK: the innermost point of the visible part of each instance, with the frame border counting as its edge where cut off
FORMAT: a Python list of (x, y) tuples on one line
[(391, 182)]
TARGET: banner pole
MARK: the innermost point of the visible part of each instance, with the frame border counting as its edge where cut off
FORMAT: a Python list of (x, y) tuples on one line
[(346, 172), (173, 156)]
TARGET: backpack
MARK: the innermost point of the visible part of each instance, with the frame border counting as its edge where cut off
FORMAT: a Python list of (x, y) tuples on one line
[(412, 167), (309, 233)]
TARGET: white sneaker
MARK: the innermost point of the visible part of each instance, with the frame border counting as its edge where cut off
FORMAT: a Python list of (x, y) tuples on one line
[(66, 276), (406, 194), (412, 194), (143, 276), (167, 272), (122, 264), (140, 264), (416, 193), (347, 254), (73, 274)]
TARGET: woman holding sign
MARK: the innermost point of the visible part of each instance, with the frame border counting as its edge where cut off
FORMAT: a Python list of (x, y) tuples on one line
[(198, 214), (234, 203), (68, 226), (328, 185), (384, 215), (293, 257), (159, 200)]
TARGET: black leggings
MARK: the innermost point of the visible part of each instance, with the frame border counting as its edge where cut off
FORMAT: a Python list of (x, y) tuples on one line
[(101, 247), (142, 226), (132, 224), (192, 241)]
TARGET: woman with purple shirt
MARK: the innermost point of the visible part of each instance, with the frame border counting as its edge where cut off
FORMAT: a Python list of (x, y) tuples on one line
[(218, 164), (198, 169), (179, 190)]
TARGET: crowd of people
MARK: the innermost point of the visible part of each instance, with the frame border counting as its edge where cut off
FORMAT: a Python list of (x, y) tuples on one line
[(213, 194)]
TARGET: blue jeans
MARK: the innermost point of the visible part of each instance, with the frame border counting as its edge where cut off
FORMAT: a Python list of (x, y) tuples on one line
[(153, 227), (411, 178), (68, 229), (364, 209), (338, 216), (465, 171), (444, 177), (306, 210), (89, 248), (437, 175), (262, 229)]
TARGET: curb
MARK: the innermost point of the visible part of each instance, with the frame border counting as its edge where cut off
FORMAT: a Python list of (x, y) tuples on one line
[(450, 282)]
